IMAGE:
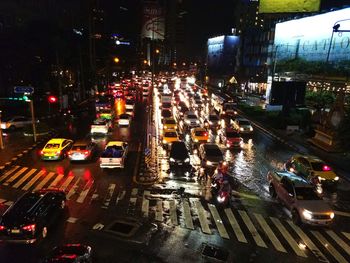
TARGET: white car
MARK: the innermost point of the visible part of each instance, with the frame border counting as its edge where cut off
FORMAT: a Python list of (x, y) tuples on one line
[(124, 120), (100, 126), (15, 122), (191, 120), (243, 125), (129, 104)]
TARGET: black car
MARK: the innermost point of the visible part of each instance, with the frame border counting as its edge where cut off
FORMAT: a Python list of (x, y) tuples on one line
[(70, 253), (29, 218), (166, 113), (210, 154), (178, 155)]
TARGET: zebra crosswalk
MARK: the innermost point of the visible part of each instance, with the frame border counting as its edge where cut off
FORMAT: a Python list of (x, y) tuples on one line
[(193, 213)]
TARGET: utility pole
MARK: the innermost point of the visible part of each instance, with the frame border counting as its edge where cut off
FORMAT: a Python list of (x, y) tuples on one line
[(1, 141), (31, 104)]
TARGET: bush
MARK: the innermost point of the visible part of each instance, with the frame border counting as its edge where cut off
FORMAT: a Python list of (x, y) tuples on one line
[(41, 127)]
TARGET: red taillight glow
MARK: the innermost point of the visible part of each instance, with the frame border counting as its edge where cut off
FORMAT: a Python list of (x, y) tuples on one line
[(86, 152), (326, 168), (2, 228), (41, 152), (205, 134), (29, 227), (69, 153), (58, 152)]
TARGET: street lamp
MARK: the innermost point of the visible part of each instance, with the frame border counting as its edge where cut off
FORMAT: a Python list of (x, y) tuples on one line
[(116, 60)]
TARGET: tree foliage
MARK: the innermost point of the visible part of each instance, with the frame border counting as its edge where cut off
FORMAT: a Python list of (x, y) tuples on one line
[(319, 99)]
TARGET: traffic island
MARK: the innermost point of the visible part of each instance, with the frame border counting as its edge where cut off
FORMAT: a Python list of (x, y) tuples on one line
[(146, 174)]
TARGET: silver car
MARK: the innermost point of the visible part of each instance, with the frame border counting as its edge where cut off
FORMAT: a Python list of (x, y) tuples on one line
[(15, 123)]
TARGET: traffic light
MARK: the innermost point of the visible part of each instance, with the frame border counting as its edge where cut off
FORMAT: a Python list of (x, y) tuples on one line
[(52, 99)]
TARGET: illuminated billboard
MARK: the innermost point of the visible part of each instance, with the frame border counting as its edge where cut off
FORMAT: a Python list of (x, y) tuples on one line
[(289, 6), (309, 38), (153, 22)]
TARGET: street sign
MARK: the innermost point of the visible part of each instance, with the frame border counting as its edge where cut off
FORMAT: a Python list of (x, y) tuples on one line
[(23, 89)]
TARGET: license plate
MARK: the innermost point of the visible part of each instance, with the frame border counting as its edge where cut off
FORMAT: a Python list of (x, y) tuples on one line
[(179, 163), (15, 231)]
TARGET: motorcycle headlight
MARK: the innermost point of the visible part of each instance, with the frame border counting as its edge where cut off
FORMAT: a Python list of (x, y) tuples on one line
[(307, 214), (196, 140), (209, 163), (172, 160), (336, 178), (251, 128), (331, 215), (241, 129), (187, 121), (187, 160), (164, 141)]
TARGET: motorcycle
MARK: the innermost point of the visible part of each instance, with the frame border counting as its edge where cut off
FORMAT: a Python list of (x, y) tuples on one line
[(223, 198)]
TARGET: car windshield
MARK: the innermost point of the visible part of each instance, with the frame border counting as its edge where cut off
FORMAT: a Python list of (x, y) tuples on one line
[(306, 193), (201, 133), (124, 116), (79, 147), (319, 166), (25, 203), (245, 123), (213, 118), (99, 122), (213, 152), (52, 146), (166, 113), (170, 122), (229, 106), (190, 116), (170, 134), (129, 102), (166, 104), (232, 134)]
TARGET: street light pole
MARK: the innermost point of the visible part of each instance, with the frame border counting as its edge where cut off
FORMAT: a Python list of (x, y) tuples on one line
[(1, 141), (31, 104)]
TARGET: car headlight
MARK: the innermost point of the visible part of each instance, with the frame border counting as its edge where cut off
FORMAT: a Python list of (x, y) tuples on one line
[(251, 128), (172, 160), (235, 112), (164, 141), (187, 121), (241, 129), (307, 214), (187, 160), (223, 112), (321, 178), (209, 163), (336, 178), (228, 144), (210, 122), (165, 127), (197, 121), (196, 140), (331, 215)]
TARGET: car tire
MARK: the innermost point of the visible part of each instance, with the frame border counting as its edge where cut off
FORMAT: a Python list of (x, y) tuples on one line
[(272, 191), (296, 217), (44, 232)]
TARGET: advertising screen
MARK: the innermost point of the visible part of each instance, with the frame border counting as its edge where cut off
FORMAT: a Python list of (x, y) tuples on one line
[(288, 6), (153, 22), (309, 38)]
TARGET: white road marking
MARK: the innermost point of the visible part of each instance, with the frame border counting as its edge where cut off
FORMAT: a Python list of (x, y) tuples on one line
[(172, 211), (98, 226), (275, 242), (134, 192), (56, 181), (14, 177), (159, 211), (109, 195), (72, 220), (329, 247), (24, 178), (85, 191), (187, 214), (44, 181), (66, 183), (9, 203), (202, 218), (307, 241), (145, 207), (33, 180), (288, 237), (257, 238), (218, 222), (120, 196), (341, 213), (73, 190), (234, 224), (339, 241), (4, 176), (346, 234)]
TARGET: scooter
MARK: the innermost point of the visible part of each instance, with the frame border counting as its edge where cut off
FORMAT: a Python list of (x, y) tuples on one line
[(223, 198)]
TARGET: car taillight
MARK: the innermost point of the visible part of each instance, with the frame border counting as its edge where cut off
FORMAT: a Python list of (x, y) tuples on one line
[(86, 152), (2, 228), (58, 152), (69, 153), (41, 152), (205, 134), (29, 228), (326, 168)]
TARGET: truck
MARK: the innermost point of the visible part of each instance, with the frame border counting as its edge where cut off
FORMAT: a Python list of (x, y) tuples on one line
[(114, 155), (300, 198)]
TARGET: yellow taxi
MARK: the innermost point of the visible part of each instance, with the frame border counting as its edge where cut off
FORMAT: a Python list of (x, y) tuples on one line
[(169, 136), (311, 166), (56, 149), (169, 123), (199, 135)]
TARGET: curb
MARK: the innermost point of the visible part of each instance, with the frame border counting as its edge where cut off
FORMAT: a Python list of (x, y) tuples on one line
[(141, 178)]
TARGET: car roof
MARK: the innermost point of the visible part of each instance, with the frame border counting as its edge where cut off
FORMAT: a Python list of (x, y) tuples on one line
[(81, 143), (190, 112), (56, 140), (242, 119), (199, 129), (169, 130), (116, 143), (310, 158), (210, 145), (295, 179)]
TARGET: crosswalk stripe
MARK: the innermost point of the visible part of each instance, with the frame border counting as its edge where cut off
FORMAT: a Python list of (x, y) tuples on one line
[(145, 207), (33, 180), (159, 211), (346, 234), (24, 178), (187, 214), (267, 229), (120, 196), (73, 190), (85, 191), (44, 181), (257, 238), (133, 201), (202, 218), (146, 193), (235, 226), (307, 241), (288, 237), (4, 176), (2, 200), (14, 177), (108, 196), (340, 242), (56, 181), (65, 184), (9, 203), (172, 211), (329, 247), (218, 222)]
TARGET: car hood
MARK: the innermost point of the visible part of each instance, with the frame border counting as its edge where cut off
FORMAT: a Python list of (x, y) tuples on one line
[(215, 158), (315, 206), (329, 175), (179, 155)]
